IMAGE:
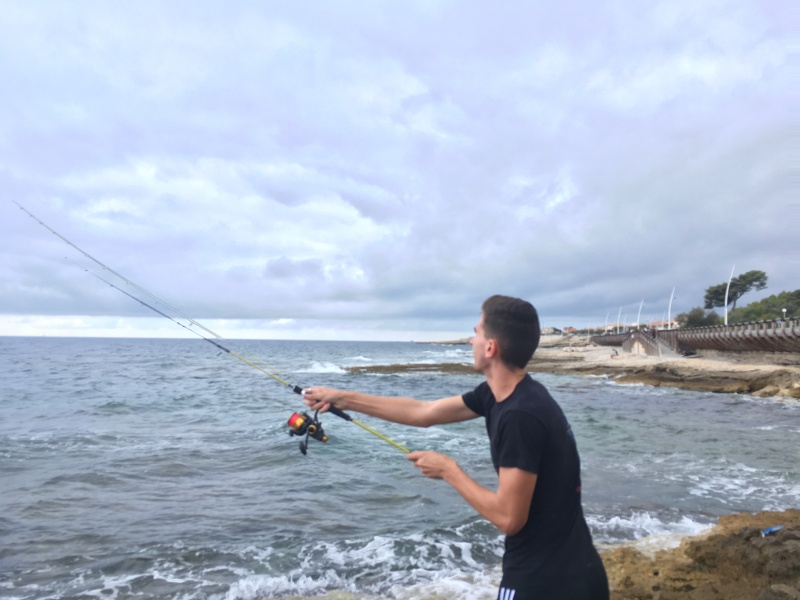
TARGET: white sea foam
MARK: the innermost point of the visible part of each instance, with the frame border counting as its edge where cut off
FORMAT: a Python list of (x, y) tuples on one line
[(438, 585), (732, 483), (419, 567), (322, 367), (643, 525), (359, 359), (265, 586), (453, 585)]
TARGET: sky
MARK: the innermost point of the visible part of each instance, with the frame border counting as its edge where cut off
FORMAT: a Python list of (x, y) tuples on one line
[(375, 170)]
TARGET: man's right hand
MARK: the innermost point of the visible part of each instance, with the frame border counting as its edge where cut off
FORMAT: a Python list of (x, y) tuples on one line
[(322, 398)]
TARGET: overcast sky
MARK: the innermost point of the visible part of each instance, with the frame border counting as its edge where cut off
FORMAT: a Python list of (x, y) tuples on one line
[(375, 169)]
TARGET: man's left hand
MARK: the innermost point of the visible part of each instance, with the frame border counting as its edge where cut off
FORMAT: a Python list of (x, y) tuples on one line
[(432, 464)]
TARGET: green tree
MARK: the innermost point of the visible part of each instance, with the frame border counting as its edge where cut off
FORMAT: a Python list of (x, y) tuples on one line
[(768, 309), (697, 317), (752, 280)]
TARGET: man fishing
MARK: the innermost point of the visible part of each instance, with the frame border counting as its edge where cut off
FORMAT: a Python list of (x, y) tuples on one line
[(549, 552)]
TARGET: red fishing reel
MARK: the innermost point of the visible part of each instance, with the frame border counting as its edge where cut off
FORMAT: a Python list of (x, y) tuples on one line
[(304, 425)]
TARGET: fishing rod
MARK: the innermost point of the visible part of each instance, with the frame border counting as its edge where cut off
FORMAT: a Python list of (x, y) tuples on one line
[(300, 424)]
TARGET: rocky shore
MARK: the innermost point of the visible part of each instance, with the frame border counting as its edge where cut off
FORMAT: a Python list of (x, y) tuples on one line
[(738, 559), (701, 374)]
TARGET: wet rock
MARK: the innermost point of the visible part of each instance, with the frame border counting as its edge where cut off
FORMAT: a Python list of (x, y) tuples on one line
[(734, 561), (767, 391)]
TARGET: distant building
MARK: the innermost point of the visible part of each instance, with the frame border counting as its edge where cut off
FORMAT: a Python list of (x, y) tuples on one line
[(663, 324)]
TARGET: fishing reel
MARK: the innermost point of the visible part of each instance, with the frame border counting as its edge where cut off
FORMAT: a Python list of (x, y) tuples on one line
[(303, 424)]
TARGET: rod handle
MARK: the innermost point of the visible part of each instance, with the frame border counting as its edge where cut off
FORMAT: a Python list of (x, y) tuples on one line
[(333, 410), (339, 413)]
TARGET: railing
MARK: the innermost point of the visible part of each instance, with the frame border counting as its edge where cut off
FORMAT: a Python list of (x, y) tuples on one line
[(780, 335), (645, 342)]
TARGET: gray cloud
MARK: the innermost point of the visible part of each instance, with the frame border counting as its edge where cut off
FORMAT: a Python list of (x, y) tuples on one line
[(390, 166)]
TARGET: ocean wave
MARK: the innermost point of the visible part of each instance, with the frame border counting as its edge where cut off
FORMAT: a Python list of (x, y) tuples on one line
[(359, 359), (322, 367), (254, 587), (722, 483), (639, 525), (454, 585), (449, 355), (402, 569)]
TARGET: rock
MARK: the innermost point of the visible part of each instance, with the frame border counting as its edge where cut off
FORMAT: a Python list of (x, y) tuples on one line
[(780, 592), (710, 375), (767, 391), (733, 561), (782, 560)]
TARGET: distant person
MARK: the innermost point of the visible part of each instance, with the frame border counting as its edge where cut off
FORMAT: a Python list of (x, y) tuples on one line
[(549, 554)]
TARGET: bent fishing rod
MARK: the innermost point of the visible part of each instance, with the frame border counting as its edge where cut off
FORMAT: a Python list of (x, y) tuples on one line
[(301, 424)]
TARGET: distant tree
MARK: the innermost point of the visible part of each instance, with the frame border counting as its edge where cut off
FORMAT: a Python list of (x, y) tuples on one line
[(697, 317), (768, 309), (752, 280)]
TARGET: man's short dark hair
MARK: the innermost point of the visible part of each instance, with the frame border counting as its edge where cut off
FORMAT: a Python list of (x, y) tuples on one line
[(514, 324)]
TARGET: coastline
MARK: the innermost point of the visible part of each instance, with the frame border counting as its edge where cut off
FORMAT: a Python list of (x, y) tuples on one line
[(719, 374), (700, 374)]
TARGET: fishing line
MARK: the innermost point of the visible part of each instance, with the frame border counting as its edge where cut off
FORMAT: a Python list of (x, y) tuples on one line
[(301, 426), (120, 276)]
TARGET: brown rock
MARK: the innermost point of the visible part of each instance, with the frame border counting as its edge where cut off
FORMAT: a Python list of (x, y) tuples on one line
[(780, 592), (733, 561), (767, 391)]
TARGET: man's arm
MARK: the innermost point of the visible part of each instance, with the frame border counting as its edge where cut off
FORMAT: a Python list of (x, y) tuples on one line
[(507, 509), (407, 411)]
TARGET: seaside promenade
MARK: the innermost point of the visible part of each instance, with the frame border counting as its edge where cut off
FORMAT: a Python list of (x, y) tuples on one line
[(779, 335)]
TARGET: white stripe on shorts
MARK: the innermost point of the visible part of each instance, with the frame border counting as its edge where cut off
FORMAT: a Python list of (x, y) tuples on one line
[(506, 594)]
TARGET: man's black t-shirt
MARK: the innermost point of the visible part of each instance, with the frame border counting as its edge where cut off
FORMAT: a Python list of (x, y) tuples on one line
[(529, 431)]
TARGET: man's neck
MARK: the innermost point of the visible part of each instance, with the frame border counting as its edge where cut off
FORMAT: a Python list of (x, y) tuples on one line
[(503, 380)]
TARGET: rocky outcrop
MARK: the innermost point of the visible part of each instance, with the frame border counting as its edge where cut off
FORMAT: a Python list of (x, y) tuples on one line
[(710, 375), (685, 373), (735, 560)]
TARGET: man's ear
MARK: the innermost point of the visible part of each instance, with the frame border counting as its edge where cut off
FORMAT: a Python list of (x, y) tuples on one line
[(491, 347)]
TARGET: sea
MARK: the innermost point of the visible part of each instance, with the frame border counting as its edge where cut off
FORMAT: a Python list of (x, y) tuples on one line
[(154, 468)]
